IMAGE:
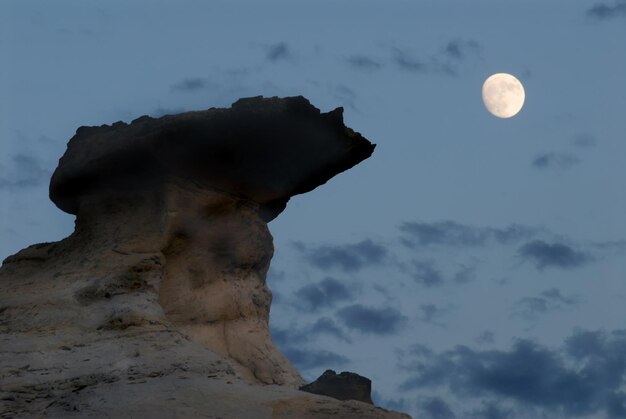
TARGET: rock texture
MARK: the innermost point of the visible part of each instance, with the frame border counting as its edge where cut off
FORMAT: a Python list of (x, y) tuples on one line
[(344, 386), (156, 305)]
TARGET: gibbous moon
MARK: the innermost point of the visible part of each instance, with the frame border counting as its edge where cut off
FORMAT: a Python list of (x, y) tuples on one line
[(503, 95)]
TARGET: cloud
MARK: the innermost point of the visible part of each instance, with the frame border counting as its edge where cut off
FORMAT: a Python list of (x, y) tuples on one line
[(431, 312), (305, 359), (345, 95), (611, 245), (325, 293), (291, 339), (557, 255), (327, 326), (531, 306), (459, 49), (349, 257), (486, 337), (553, 160), (363, 62), (586, 343), (378, 321), (287, 337), (224, 85), (277, 52), (604, 11), (548, 300), (425, 273), (451, 233), (436, 408), (444, 62), (584, 141), (28, 172), (407, 62), (192, 84), (491, 410), (464, 275), (584, 379), (555, 295)]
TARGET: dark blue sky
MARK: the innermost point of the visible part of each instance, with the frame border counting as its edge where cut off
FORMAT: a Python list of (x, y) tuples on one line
[(473, 267)]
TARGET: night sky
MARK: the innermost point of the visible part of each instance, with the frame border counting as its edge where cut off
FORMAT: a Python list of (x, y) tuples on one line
[(472, 267)]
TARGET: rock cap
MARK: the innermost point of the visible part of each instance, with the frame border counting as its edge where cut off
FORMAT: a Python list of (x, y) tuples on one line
[(262, 149)]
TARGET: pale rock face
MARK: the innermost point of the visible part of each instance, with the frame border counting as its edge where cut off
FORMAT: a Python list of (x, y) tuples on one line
[(205, 256), (156, 306), (218, 252)]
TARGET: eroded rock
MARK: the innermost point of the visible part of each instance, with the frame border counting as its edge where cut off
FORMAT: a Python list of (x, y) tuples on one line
[(344, 386), (156, 305)]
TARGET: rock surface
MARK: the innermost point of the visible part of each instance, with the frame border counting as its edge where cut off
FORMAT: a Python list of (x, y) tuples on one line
[(344, 386), (156, 305)]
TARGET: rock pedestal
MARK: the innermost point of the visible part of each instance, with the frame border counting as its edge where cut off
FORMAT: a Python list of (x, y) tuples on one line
[(156, 305)]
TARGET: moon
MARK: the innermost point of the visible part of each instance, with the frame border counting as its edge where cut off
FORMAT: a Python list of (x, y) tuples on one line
[(503, 95)]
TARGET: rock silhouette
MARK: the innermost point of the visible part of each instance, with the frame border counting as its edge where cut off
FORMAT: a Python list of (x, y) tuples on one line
[(156, 305), (343, 386)]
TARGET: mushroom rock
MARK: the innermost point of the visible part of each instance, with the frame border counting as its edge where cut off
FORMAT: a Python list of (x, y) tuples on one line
[(156, 305)]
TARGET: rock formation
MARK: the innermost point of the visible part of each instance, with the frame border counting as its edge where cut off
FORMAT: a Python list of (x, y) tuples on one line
[(156, 305), (344, 386)]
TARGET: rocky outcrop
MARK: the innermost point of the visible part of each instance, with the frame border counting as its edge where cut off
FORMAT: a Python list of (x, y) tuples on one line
[(344, 386), (156, 305)]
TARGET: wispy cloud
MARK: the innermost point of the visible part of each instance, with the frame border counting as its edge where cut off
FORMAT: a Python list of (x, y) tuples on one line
[(378, 321), (608, 11), (451, 233), (406, 61), (301, 334), (549, 300), (584, 140), (293, 342), (435, 408), (345, 95), (426, 273), (305, 359), (554, 295), (278, 52), (192, 84), (460, 49), (557, 255), (486, 337), (465, 274), (432, 313), (363, 62), (491, 410), (553, 160), (446, 61), (327, 326), (348, 257), (325, 293), (28, 171)]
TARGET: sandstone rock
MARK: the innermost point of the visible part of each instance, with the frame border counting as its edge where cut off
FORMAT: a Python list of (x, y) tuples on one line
[(344, 386), (156, 305)]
